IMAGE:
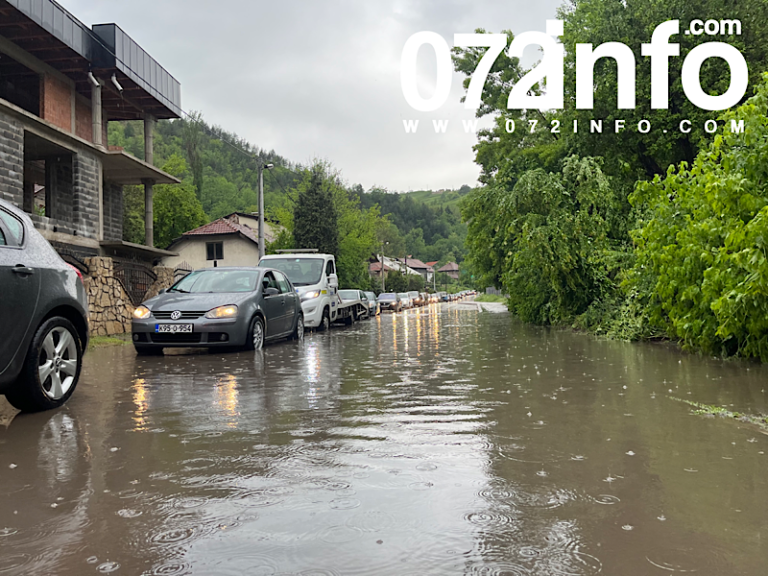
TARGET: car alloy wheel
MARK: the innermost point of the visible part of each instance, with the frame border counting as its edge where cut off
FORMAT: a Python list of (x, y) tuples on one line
[(300, 328), (51, 368), (58, 362), (257, 334)]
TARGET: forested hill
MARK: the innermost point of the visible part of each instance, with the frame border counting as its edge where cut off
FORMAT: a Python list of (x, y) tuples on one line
[(218, 178)]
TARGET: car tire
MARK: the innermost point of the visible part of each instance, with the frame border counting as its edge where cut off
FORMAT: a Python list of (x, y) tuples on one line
[(144, 351), (325, 321), (51, 368), (298, 334), (255, 338)]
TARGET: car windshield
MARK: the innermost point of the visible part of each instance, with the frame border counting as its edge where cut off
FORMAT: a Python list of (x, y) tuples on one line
[(216, 281), (300, 271), (348, 294), (403, 295), (370, 295), (387, 296)]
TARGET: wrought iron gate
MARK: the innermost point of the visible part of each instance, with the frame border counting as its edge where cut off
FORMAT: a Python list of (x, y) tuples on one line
[(136, 278)]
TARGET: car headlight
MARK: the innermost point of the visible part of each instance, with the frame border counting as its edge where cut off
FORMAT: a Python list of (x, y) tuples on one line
[(141, 313), (228, 311), (310, 295)]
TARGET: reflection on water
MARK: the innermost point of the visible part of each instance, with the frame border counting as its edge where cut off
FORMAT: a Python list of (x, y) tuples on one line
[(438, 441)]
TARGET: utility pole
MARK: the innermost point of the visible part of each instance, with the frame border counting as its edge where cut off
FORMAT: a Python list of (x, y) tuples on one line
[(381, 270), (261, 207)]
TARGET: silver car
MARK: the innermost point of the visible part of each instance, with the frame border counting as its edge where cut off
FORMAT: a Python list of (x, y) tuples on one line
[(43, 317), (220, 308)]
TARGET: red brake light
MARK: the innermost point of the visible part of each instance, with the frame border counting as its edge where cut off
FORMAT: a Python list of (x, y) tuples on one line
[(79, 274)]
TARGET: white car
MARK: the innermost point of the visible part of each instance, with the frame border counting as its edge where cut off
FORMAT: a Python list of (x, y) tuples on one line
[(316, 282)]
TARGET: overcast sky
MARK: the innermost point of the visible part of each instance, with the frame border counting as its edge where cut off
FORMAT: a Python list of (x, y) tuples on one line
[(320, 78)]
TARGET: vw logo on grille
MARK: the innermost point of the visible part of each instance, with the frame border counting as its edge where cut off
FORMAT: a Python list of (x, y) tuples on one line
[(175, 315)]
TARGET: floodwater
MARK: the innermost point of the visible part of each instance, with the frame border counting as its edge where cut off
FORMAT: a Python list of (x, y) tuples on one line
[(441, 441)]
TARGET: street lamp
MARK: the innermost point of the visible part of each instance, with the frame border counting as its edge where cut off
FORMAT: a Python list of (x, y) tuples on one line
[(261, 206)]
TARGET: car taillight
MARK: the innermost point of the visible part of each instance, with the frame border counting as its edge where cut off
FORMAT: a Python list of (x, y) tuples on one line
[(79, 274)]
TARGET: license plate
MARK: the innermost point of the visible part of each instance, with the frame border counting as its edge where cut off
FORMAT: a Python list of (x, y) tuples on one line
[(173, 328)]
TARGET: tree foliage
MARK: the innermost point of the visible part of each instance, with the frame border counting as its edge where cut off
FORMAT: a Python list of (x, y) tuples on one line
[(702, 243), (552, 223), (315, 218), (176, 207)]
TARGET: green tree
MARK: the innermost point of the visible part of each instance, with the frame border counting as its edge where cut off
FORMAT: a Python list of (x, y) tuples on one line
[(630, 153), (176, 207), (702, 242), (192, 137), (416, 282), (315, 216), (395, 282)]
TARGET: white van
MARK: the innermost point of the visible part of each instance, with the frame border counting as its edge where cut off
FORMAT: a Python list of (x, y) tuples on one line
[(314, 277)]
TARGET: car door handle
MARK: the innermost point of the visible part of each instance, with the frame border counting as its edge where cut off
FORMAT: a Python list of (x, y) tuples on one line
[(23, 270)]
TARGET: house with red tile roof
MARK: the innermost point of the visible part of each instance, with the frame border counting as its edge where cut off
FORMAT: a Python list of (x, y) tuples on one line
[(452, 269), (426, 271), (229, 241)]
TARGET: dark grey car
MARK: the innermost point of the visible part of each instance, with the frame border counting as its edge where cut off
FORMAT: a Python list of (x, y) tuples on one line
[(220, 308), (43, 317)]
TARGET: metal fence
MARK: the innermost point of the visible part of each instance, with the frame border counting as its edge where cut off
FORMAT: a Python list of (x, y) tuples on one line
[(135, 277), (181, 270)]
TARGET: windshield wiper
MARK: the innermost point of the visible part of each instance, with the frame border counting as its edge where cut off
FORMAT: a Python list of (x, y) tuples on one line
[(179, 290)]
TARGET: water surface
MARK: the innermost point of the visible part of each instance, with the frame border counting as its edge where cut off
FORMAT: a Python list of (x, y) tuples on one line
[(441, 441)]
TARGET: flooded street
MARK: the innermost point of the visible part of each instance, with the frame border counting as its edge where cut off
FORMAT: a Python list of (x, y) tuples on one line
[(437, 441)]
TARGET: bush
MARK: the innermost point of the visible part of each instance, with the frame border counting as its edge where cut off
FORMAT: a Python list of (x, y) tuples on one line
[(702, 242)]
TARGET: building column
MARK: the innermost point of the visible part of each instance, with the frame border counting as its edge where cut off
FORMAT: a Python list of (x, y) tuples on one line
[(96, 115), (149, 158)]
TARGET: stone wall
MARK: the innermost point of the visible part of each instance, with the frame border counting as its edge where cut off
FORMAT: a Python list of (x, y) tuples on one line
[(109, 306)]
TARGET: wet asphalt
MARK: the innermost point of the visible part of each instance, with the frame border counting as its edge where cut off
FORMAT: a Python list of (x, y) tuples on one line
[(442, 440)]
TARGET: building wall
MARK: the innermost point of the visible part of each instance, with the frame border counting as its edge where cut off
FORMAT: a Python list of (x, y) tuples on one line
[(56, 102), (75, 208), (11, 160), (237, 252), (83, 120), (85, 199), (113, 211)]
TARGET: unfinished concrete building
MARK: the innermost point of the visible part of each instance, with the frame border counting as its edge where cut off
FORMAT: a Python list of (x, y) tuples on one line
[(61, 83)]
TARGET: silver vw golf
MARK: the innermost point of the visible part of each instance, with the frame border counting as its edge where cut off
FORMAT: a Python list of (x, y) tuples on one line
[(220, 308)]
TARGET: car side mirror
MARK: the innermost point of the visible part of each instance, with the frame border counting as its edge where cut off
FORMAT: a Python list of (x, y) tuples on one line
[(163, 291), (333, 280), (271, 292)]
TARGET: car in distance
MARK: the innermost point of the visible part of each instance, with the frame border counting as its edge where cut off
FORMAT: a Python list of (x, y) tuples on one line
[(405, 299), (373, 304), (220, 308), (390, 301), (44, 312), (415, 298)]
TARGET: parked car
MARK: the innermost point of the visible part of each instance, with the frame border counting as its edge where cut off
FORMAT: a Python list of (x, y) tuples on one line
[(220, 307), (406, 300), (44, 313), (390, 301), (373, 304), (359, 297)]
